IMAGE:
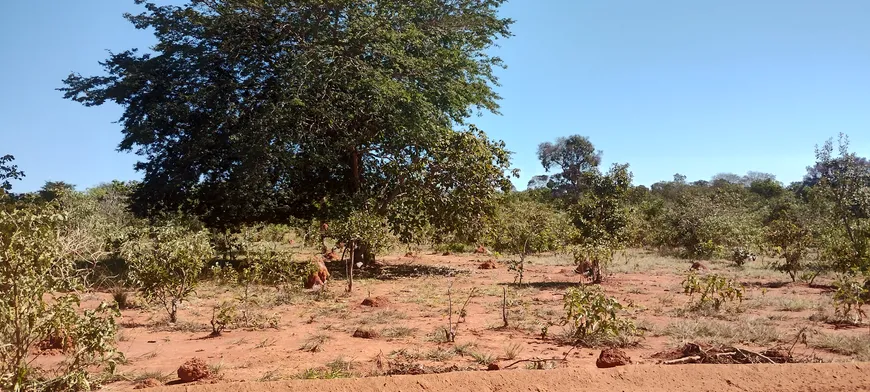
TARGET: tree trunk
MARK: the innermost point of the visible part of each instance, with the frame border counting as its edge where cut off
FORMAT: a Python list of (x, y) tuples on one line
[(349, 267), (173, 312), (504, 312), (363, 254)]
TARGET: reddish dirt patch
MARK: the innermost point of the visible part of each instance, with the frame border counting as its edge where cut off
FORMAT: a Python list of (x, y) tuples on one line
[(612, 357), (481, 250), (488, 265), (54, 345), (376, 302), (193, 370), (319, 277)]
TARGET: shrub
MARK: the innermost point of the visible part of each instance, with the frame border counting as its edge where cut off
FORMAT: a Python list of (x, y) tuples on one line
[(594, 317), (591, 259), (223, 316), (715, 290), (741, 255), (367, 235), (264, 264), (522, 228), (849, 296), (165, 263), (32, 270), (791, 240)]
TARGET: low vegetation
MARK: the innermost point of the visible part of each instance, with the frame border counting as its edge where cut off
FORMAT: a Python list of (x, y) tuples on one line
[(595, 320)]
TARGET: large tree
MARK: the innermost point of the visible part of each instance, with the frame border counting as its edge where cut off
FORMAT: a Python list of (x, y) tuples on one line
[(259, 110)]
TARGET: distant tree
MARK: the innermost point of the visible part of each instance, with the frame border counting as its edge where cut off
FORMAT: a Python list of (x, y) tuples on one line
[(727, 177), (601, 214), (538, 182), (577, 161), (789, 232), (252, 111), (54, 189), (767, 188), (597, 203), (753, 176), (165, 264)]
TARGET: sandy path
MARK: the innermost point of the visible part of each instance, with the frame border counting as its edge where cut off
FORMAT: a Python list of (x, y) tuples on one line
[(653, 378)]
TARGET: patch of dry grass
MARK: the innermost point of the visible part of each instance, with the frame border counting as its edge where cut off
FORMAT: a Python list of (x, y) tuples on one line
[(856, 346), (744, 330)]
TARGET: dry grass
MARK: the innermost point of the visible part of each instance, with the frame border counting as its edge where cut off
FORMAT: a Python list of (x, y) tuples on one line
[(439, 354), (271, 375), (267, 342), (857, 346), (464, 348), (314, 343), (482, 358), (512, 351), (756, 331), (398, 332)]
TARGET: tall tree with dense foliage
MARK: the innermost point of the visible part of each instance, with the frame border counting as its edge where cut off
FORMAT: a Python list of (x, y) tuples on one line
[(841, 197), (577, 161), (266, 110), (596, 201)]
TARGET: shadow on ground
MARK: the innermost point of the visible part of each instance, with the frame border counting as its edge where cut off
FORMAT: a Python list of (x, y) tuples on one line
[(393, 272)]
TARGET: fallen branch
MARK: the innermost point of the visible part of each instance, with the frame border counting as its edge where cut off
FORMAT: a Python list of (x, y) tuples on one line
[(744, 352), (683, 360), (536, 360)]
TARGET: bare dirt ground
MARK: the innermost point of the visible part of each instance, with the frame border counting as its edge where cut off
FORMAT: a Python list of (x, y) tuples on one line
[(314, 332), (696, 378)]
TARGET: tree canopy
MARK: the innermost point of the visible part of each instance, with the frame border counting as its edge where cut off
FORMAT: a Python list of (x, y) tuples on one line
[(264, 110)]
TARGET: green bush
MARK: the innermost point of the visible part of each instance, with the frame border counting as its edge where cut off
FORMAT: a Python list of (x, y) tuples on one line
[(165, 264), (522, 228), (38, 309), (263, 264), (594, 318), (714, 290), (849, 298)]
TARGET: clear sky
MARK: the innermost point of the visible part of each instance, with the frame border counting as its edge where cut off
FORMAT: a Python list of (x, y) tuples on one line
[(688, 86)]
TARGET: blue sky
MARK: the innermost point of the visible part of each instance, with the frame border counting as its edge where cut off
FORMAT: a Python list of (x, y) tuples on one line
[(695, 87)]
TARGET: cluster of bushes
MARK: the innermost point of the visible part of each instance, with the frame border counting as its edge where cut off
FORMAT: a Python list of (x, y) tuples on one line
[(59, 242), (820, 224)]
